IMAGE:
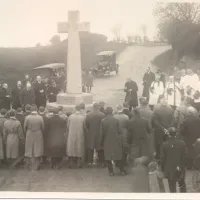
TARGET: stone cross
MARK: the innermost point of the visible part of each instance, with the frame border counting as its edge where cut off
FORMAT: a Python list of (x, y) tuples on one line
[(73, 68)]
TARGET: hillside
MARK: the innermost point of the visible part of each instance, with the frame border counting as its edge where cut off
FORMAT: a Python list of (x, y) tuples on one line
[(15, 62)]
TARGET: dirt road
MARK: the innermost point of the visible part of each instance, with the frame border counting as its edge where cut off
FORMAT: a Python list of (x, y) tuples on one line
[(133, 62)]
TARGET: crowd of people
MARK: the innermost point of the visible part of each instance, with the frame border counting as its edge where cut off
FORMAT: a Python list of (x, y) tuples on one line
[(164, 125), (172, 106)]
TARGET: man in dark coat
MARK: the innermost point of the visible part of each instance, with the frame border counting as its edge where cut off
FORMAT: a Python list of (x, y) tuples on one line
[(40, 92), (15, 94), (173, 155), (162, 119), (111, 141), (27, 96), (148, 79), (190, 130), (126, 110), (131, 89), (52, 92), (4, 97), (93, 125), (138, 139), (55, 142)]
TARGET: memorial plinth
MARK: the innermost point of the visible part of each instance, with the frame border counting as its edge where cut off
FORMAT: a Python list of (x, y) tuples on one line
[(73, 95)]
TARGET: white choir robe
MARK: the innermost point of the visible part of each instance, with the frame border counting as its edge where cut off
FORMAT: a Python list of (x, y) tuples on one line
[(174, 94), (191, 81), (197, 89), (158, 90)]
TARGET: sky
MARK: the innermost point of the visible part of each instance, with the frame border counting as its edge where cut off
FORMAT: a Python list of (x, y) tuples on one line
[(25, 23)]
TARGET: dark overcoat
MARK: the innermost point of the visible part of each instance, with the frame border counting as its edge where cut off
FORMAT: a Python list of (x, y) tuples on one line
[(190, 130), (2, 146), (55, 142), (123, 120), (163, 118), (138, 138), (93, 125), (4, 99), (52, 93), (147, 81), (111, 138), (15, 94), (40, 94), (21, 119), (173, 155), (27, 97), (131, 97)]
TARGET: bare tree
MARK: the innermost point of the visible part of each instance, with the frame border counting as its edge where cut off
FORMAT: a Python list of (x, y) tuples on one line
[(178, 12), (116, 30)]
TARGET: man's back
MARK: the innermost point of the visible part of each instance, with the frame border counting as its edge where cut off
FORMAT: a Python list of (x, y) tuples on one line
[(173, 155)]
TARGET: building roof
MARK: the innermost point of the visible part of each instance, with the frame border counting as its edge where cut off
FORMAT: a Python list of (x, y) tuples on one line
[(102, 53), (51, 66)]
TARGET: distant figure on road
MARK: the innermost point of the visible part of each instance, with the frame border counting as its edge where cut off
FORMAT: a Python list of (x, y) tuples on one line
[(89, 81), (131, 89), (148, 78)]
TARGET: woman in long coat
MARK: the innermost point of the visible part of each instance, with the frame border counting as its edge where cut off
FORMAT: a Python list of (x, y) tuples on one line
[(2, 120), (34, 147), (76, 138), (12, 134), (112, 142), (55, 142)]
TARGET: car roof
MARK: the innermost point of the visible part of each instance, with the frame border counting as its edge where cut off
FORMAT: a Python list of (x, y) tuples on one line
[(102, 53), (51, 66)]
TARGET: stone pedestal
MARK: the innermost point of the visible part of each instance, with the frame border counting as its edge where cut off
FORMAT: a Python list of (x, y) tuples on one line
[(69, 101)]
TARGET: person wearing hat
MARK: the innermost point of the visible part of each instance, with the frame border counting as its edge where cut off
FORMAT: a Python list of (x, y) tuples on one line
[(190, 130), (172, 161), (162, 119), (138, 137), (76, 138), (148, 78), (34, 144), (93, 126), (12, 134), (126, 110), (123, 120), (111, 142), (55, 141)]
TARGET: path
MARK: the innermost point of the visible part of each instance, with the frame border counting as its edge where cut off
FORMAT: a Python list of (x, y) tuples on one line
[(133, 61)]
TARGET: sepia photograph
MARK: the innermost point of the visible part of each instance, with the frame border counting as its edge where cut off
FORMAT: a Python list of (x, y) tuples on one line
[(99, 96)]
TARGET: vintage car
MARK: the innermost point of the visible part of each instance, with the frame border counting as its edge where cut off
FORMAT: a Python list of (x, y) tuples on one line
[(106, 63), (49, 72)]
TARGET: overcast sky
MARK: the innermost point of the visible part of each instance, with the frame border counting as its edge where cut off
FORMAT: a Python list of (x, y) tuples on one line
[(28, 22)]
